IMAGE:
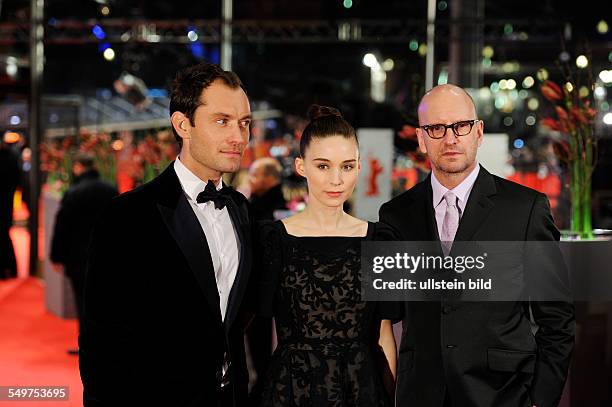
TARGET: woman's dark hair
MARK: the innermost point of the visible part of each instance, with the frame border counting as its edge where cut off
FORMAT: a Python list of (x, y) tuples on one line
[(325, 121), (187, 88)]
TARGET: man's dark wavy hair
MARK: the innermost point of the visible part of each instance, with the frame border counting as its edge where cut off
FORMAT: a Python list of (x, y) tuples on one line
[(190, 82)]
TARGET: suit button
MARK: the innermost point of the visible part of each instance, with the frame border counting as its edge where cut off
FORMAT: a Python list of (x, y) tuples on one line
[(447, 309)]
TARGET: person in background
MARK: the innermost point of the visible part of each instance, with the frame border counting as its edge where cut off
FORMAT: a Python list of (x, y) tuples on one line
[(10, 175), (265, 177), (26, 166), (79, 209)]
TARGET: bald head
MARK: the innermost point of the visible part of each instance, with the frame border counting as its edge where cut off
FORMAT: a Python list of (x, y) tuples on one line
[(449, 96), (452, 156), (265, 173), (270, 166)]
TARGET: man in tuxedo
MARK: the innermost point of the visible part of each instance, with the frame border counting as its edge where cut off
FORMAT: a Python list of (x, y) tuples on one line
[(463, 354), (169, 265)]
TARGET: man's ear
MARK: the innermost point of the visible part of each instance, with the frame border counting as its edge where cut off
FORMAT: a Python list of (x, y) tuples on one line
[(299, 166), (420, 137), (480, 132), (181, 124)]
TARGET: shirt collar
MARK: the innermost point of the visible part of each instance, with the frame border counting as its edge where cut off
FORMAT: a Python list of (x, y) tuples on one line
[(461, 191), (192, 185)]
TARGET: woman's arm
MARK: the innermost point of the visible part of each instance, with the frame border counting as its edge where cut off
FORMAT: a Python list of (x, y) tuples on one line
[(386, 341)]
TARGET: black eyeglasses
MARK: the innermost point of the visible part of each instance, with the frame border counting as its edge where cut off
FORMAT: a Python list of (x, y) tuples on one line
[(438, 131)]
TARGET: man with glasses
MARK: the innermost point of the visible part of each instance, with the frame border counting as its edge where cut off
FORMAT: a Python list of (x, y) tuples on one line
[(456, 353)]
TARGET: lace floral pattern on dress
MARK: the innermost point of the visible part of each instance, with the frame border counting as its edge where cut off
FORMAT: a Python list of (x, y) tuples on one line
[(327, 350)]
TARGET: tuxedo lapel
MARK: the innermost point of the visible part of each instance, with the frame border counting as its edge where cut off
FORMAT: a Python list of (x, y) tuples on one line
[(185, 228), (478, 206), (239, 215)]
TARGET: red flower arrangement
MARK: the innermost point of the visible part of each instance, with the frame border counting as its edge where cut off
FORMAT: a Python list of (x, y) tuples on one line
[(56, 162), (153, 154), (577, 143)]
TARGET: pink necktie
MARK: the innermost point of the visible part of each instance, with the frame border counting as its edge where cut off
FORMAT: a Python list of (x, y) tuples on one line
[(450, 222)]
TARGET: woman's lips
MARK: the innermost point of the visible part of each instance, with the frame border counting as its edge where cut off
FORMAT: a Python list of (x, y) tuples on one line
[(333, 194)]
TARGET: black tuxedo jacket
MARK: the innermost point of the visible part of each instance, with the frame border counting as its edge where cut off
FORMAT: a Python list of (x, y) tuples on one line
[(482, 353), (152, 331)]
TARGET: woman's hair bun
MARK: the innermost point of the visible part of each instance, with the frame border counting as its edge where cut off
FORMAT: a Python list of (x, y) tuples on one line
[(317, 111)]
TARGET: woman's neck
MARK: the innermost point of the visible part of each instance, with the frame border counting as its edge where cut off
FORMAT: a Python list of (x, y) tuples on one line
[(325, 218)]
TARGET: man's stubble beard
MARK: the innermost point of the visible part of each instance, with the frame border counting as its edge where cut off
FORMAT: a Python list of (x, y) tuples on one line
[(448, 168)]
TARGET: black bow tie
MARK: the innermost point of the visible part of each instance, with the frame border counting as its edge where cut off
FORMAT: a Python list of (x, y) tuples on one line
[(210, 193)]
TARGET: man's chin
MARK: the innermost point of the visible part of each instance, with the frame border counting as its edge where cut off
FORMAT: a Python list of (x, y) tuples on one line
[(229, 168), (453, 169)]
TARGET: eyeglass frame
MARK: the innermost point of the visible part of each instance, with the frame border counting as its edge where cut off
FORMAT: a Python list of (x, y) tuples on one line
[(426, 128)]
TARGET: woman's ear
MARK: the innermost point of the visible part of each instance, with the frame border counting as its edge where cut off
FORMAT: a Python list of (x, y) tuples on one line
[(299, 166)]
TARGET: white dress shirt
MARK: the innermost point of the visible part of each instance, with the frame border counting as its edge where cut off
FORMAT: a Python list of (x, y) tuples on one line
[(461, 191), (219, 230)]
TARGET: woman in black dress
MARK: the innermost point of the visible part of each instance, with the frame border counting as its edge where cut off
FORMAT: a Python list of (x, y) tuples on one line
[(333, 348)]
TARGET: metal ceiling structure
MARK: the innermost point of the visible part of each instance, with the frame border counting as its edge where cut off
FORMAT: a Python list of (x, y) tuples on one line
[(278, 31)]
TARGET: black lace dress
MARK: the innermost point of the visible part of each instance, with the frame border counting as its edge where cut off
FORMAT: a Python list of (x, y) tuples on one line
[(327, 353)]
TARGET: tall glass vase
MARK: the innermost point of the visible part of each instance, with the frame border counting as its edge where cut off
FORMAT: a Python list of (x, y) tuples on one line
[(581, 170)]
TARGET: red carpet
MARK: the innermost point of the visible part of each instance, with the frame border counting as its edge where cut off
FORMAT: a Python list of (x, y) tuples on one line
[(33, 344)]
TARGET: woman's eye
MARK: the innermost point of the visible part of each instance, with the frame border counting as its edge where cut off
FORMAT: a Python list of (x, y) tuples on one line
[(322, 166), (348, 167)]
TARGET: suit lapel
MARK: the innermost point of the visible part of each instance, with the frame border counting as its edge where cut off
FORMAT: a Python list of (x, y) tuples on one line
[(240, 221), (478, 206), (185, 228), (424, 218), (430, 217)]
